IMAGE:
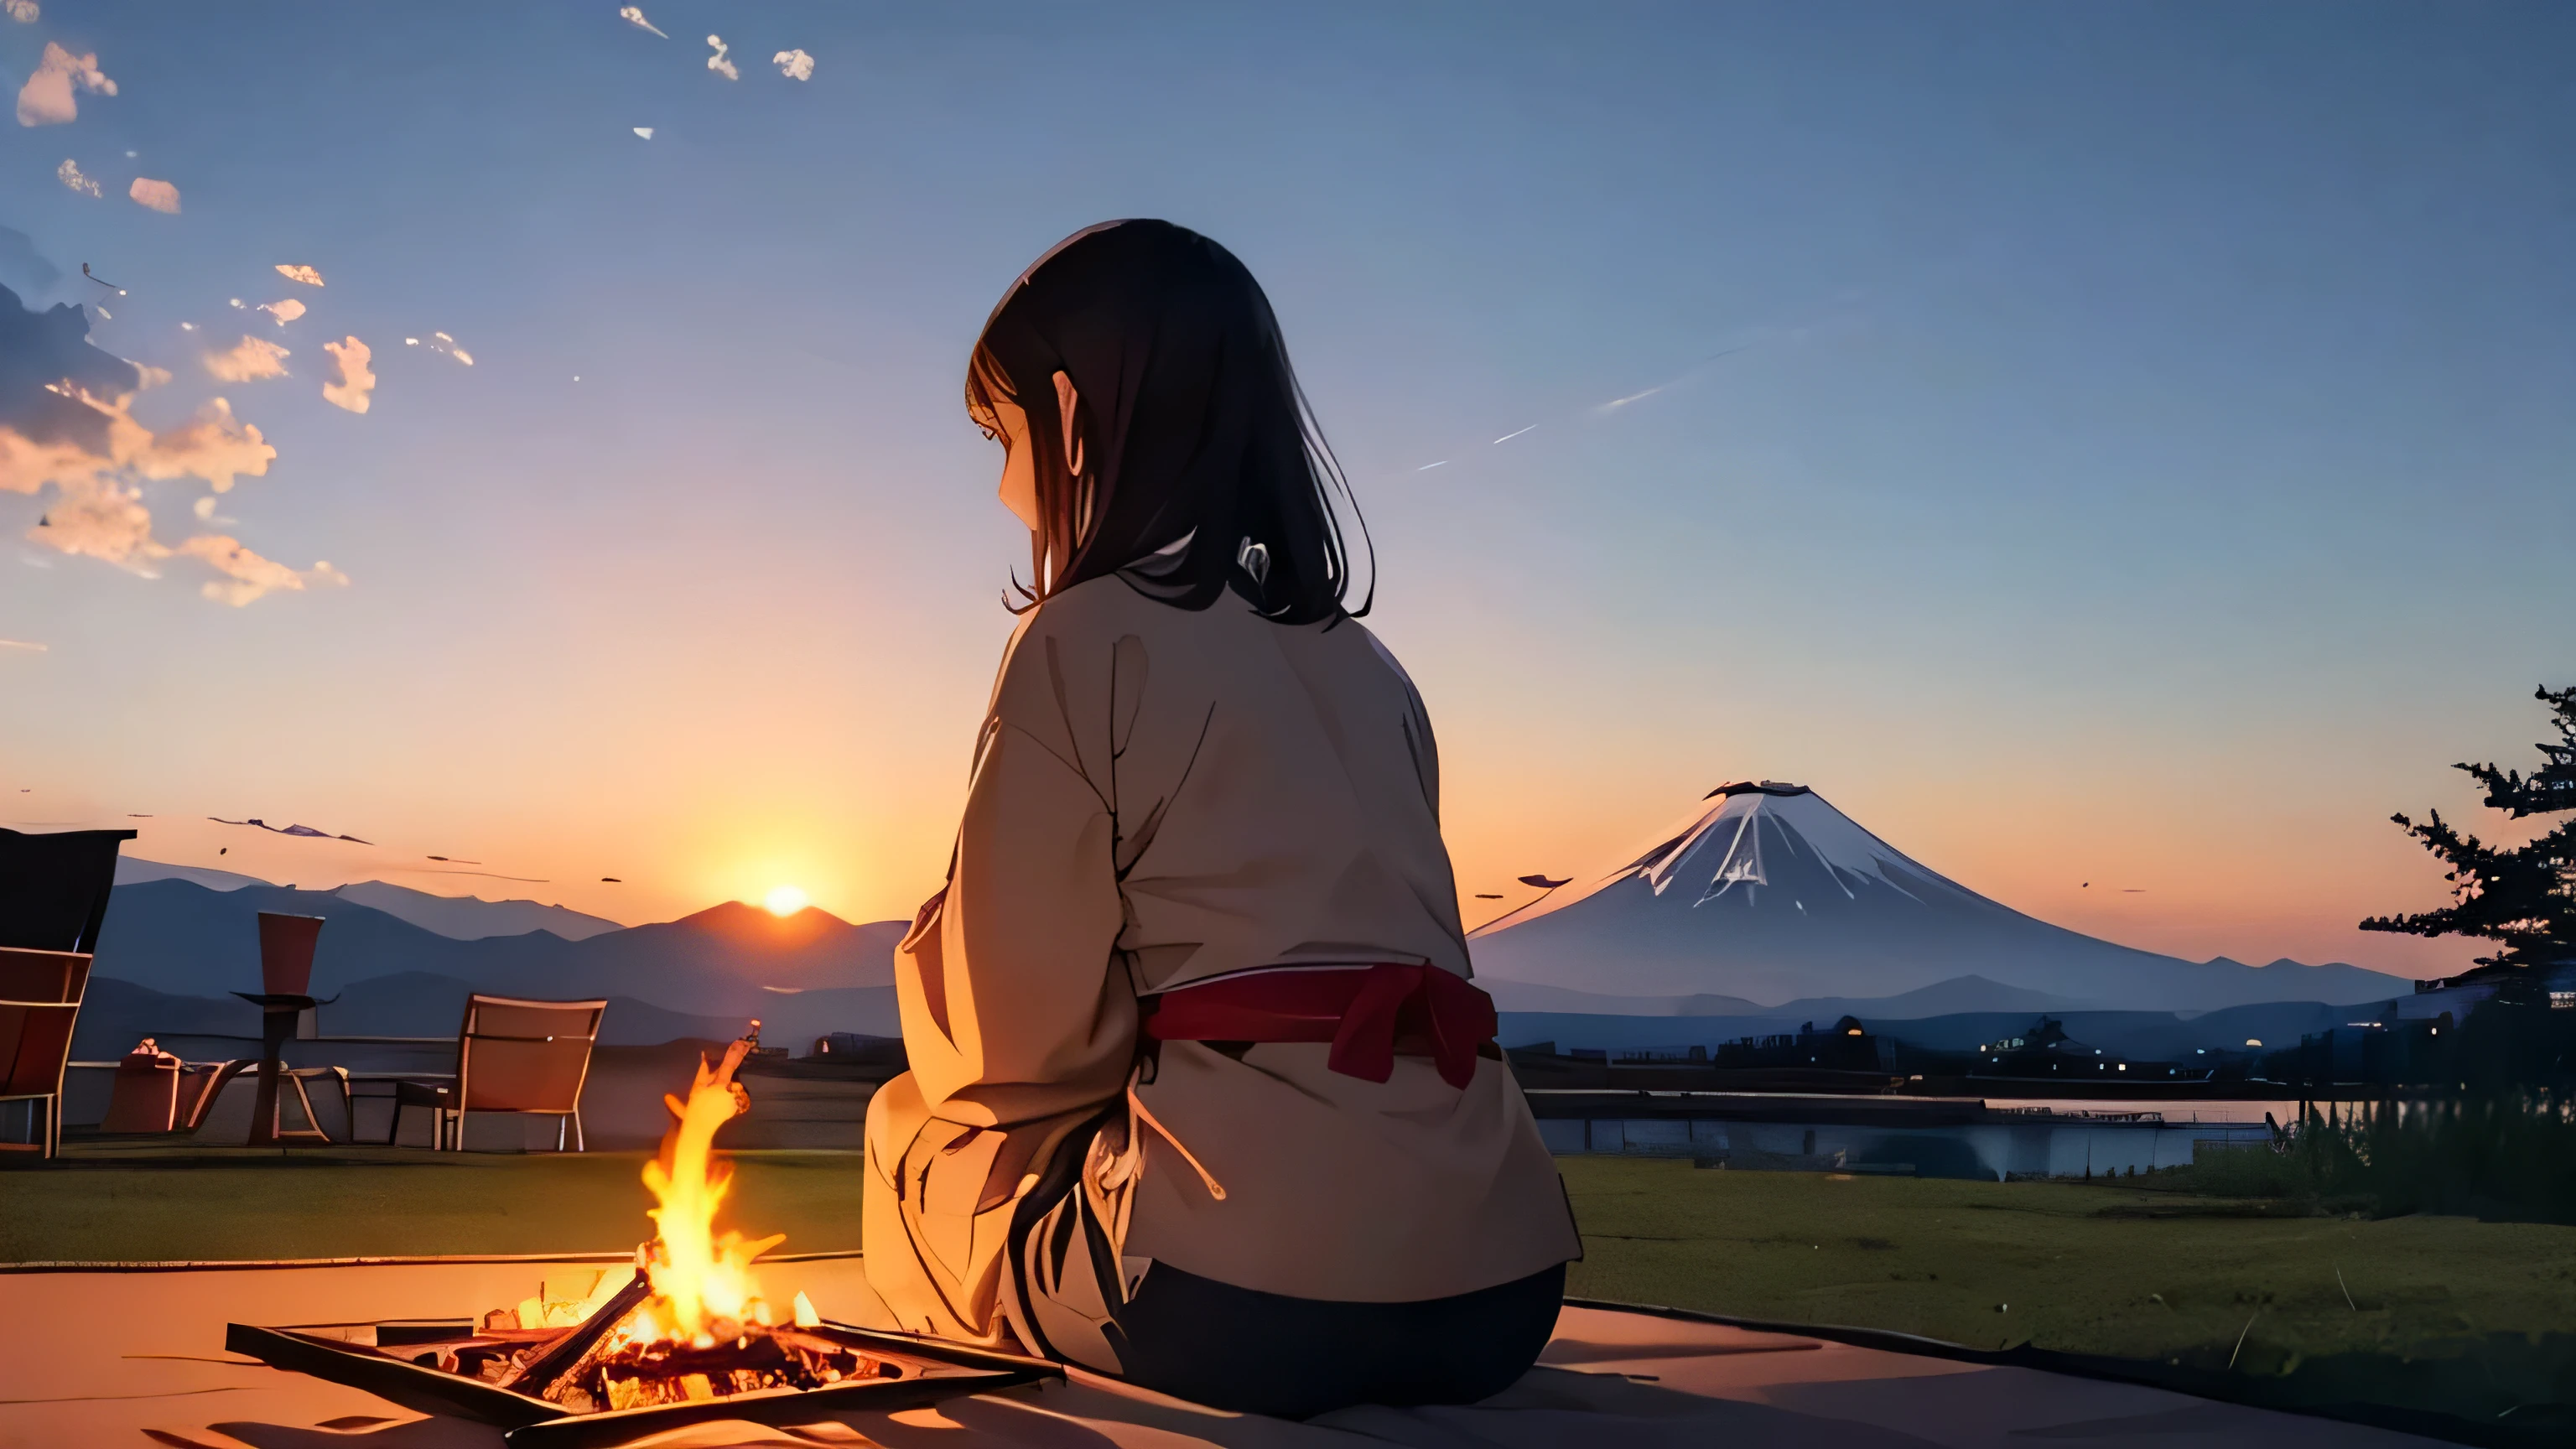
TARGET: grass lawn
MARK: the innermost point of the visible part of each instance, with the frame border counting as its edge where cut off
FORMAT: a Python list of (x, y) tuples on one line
[(117, 1203), (2096, 1269)]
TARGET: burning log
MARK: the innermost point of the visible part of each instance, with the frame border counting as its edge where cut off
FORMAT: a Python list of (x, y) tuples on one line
[(557, 1366)]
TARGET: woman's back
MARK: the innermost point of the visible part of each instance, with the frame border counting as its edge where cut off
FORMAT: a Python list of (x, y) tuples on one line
[(1274, 787)]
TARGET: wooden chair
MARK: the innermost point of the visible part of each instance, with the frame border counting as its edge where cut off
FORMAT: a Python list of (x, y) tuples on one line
[(525, 1057), (40, 997)]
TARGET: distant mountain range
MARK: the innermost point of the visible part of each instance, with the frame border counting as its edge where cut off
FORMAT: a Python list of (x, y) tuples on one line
[(1772, 894), (703, 975), (465, 918)]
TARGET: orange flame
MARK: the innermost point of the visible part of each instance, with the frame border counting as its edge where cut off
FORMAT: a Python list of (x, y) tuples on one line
[(699, 1275)]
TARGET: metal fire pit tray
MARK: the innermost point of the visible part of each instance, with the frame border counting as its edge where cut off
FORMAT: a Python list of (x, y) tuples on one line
[(370, 1356)]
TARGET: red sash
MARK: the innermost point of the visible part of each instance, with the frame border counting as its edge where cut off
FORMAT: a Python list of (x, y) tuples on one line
[(1368, 1013)]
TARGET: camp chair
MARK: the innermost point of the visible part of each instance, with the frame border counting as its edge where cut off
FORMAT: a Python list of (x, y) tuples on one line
[(40, 996), (53, 899), (527, 1057)]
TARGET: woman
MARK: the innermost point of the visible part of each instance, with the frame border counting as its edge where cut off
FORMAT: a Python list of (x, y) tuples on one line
[(1200, 1095)]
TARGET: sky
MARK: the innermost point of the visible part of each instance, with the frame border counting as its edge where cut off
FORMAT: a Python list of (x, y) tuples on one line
[(2110, 444)]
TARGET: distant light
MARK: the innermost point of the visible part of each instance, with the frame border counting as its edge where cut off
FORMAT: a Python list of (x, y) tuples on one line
[(784, 900), (2253, 1041)]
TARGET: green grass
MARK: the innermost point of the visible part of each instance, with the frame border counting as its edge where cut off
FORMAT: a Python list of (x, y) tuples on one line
[(2091, 1269), (104, 1203)]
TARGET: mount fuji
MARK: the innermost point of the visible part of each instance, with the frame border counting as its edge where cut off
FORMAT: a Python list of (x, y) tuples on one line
[(1773, 895)]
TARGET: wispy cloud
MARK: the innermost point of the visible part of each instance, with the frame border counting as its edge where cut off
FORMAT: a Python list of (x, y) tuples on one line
[(796, 65), (285, 311), (158, 195), (298, 272), (644, 131), (440, 342), (22, 644), (1427, 467), (634, 15), (49, 98), (253, 359), (720, 62), (246, 575), (69, 174), (25, 12), (356, 382), (1507, 437), (1616, 403)]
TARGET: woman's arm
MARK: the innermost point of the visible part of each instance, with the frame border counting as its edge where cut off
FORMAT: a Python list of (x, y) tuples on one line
[(1011, 1010)]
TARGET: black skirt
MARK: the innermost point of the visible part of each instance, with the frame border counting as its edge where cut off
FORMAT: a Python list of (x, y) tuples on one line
[(1266, 1353)]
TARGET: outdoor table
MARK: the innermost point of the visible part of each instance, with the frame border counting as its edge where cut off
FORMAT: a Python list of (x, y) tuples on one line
[(277, 1016)]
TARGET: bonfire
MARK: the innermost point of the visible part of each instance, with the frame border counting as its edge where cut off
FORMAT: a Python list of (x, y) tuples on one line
[(683, 1337), (689, 1323)]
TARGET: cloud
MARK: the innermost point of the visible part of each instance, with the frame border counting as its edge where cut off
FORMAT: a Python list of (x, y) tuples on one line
[(298, 272), (246, 575), (1616, 403), (69, 174), (158, 195), (22, 266), (634, 15), (47, 365), (66, 424), (441, 342), (644, 131), (285, 312), (48, 97), (109, 523), (25, 12), (214, 445), (718, 62), (255, 358), (794, 64), (22, 644), (356, 381), (104, 520)]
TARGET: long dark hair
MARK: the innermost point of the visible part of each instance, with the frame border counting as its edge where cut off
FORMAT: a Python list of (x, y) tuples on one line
[(1203, 469)]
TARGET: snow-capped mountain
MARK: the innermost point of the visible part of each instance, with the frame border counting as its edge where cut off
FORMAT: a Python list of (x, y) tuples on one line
[(1772, 894)]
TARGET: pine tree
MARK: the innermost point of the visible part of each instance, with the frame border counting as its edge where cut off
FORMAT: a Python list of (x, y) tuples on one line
[(2523, 897)]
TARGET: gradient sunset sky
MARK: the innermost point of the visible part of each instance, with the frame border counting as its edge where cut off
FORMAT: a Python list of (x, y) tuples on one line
[(2128, 444)]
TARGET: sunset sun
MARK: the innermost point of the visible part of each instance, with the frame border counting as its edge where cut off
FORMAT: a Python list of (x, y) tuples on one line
[(785, 900)]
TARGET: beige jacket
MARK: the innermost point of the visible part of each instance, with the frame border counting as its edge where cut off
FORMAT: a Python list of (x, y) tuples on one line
[(1162, 796)]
